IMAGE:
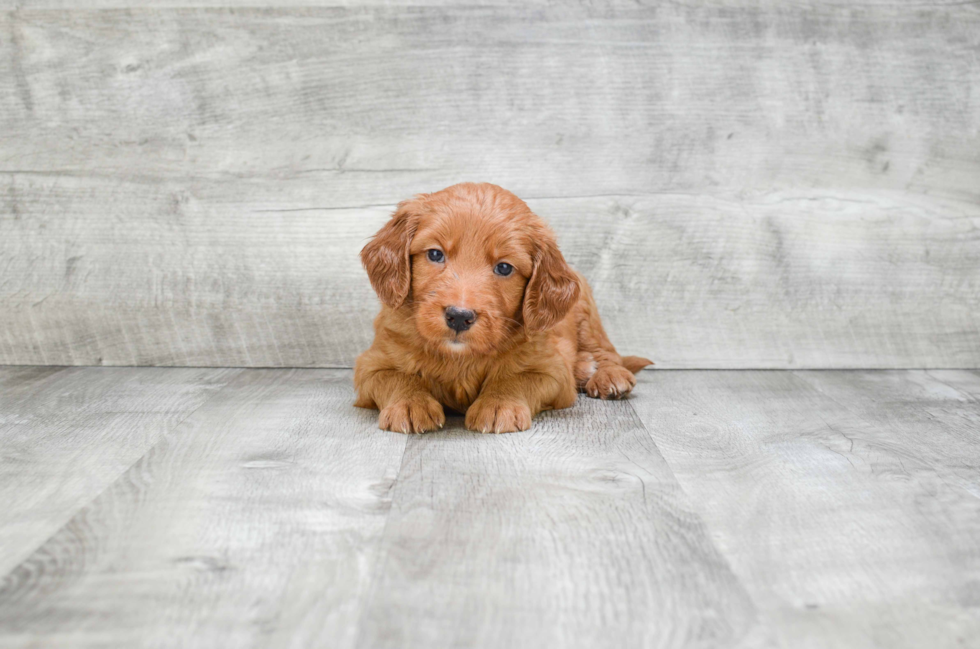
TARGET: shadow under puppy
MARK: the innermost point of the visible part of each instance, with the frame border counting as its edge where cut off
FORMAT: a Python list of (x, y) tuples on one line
[(482, 314)]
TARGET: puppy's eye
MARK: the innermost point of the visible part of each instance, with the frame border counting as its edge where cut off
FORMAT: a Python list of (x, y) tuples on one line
[(436, 255), (503, 269)]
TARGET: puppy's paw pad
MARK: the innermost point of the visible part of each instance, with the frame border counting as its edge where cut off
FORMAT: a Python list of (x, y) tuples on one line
[(498, 416), (417, 414), (610, 382)]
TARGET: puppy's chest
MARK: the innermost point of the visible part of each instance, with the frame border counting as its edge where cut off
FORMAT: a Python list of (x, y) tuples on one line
[(456, 387)]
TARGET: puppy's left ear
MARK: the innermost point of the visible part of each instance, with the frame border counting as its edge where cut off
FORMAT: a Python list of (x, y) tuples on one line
[(387, 258), (552, 290)]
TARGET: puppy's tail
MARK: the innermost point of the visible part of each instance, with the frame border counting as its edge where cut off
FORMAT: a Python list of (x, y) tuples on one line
[(635, 363)]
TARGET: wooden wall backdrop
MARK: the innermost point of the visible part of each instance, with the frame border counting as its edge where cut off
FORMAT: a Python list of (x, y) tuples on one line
[(746, 183)]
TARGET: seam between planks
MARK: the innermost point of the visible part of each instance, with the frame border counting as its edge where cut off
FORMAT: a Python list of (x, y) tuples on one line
[(673, 474), (380, 563), (709, 537), (122, 473)]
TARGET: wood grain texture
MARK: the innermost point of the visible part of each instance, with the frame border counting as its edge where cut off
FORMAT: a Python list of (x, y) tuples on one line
[(750, 184), (67, 434), (787, 509), (574, 535), (254, 523), (258, 4), (847, 502), (20, 5)]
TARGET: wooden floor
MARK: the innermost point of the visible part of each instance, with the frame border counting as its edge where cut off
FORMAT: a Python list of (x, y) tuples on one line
[(258, 508)]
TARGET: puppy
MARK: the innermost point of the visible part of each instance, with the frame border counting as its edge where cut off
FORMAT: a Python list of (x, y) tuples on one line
[(481, 314)]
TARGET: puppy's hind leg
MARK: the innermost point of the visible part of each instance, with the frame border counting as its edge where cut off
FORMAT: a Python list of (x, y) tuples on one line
[(599, 370), (609, 378), (610, 381), (585, 367)]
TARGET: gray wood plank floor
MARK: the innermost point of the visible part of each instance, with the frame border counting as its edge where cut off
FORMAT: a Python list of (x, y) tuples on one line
[(257, 508), (67, 434)]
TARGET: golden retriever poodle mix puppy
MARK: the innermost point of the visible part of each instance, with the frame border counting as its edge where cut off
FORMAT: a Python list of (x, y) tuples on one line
[(480, 314)]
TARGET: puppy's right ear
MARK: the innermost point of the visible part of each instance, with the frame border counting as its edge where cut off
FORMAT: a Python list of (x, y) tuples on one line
[(387, 258)]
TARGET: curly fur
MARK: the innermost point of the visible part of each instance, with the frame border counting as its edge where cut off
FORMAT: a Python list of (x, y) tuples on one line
[(537, 338)]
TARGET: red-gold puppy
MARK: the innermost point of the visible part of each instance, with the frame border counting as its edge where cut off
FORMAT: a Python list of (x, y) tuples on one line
[(482, 314)]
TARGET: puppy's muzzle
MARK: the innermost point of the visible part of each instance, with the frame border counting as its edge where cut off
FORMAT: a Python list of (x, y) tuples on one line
[(459, 320)]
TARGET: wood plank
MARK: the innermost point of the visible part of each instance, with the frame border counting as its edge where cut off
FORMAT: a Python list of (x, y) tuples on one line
[(967, 383), (66, 435), (260, 4), (573, 535), (847, 502), (253, 523), (749, 185), (783, 280), (267, 4), (19, 383), (691, 281)]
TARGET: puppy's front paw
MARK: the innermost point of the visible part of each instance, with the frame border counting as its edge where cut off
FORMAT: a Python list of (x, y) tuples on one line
[(492, 415), (610, 382), (416, 414)]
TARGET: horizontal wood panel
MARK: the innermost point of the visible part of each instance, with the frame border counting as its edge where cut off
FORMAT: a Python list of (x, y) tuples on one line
[(20, 5), (760, 187), (691, 281)]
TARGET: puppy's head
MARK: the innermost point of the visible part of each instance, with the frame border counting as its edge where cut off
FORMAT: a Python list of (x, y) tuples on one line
[(473, 266)]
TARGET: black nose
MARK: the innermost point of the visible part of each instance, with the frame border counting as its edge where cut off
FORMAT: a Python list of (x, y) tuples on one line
[(459, 319)]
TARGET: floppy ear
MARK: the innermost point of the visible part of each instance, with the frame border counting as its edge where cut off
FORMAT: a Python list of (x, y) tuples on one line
[(387, 257), (552, 290)]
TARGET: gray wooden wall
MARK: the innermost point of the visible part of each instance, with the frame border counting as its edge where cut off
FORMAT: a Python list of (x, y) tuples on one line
[(746, 184)]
